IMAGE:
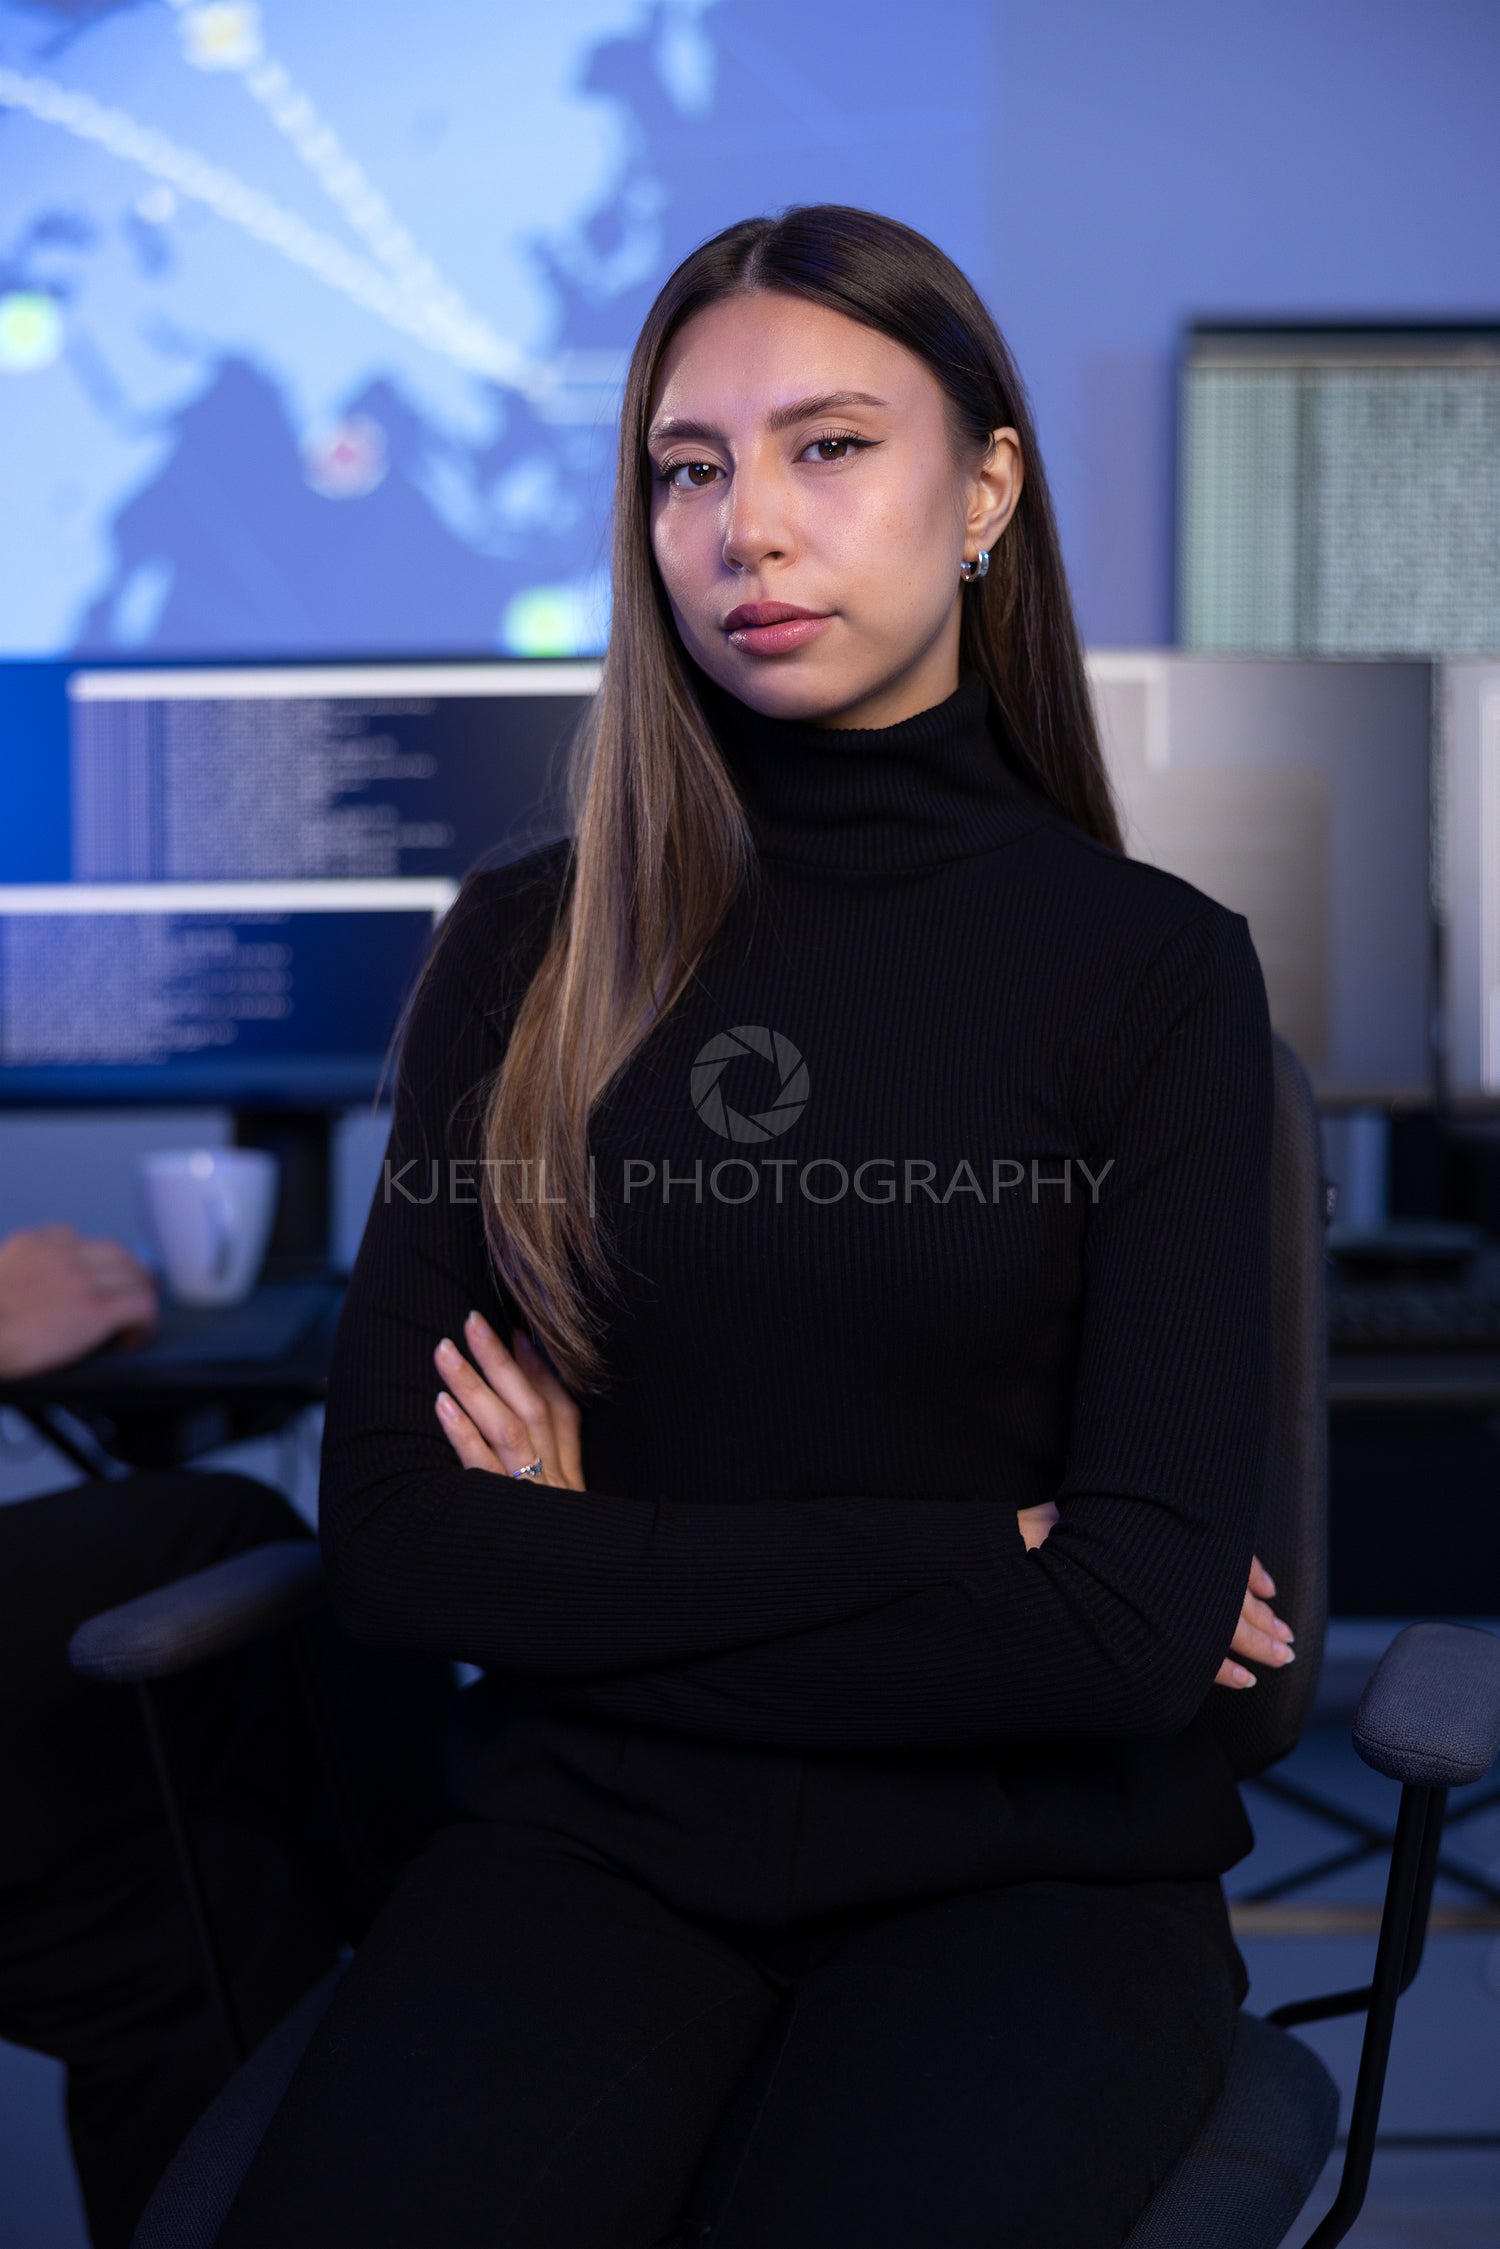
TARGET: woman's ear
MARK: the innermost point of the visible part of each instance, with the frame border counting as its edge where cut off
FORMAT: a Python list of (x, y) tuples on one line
[(995, 489)]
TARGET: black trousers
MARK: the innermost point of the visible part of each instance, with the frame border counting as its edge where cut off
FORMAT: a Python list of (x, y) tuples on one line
[(531, 2049), (99, 1966)]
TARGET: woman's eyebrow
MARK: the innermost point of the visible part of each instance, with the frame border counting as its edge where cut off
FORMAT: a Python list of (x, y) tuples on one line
[(780, 418), (785, 417)]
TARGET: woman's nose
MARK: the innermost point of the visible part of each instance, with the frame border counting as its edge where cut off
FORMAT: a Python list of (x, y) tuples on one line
[(757, 527)]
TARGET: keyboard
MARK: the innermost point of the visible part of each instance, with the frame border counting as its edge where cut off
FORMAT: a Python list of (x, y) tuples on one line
[(262, 1331), (1412, 1316)]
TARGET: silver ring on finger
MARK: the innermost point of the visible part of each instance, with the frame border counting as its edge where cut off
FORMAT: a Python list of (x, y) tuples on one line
[(532, 1468)]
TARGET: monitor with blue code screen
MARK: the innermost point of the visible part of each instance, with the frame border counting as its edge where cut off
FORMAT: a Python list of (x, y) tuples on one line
[(218, 882)]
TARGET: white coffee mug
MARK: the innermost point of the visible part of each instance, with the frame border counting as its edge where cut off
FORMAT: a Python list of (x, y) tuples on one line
[(211, 1211)]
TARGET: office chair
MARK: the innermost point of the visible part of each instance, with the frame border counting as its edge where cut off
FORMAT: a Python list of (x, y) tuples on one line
[(1429, 1719)]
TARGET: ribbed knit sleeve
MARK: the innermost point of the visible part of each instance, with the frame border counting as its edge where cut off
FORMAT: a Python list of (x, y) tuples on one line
[(845, 1622), (1117, 1624)]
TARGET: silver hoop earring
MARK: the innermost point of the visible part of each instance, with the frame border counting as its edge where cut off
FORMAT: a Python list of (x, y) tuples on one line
[(969, 571)]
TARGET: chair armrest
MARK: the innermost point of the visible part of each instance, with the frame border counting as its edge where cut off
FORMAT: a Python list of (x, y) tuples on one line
[(204, 1614), (1430, 1712)]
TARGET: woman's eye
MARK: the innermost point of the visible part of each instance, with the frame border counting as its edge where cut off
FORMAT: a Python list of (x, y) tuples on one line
[(689, 476), (837, 447)]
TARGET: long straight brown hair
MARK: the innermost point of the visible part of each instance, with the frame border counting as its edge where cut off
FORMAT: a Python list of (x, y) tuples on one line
[(660, 846)]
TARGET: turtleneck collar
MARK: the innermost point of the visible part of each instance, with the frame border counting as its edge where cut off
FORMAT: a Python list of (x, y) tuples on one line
[(876, 800)]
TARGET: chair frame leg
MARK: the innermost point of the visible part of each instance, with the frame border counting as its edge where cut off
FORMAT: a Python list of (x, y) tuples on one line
[(1403, 1933), (372, 1879), (220, 1996), (1373, 1841), (1357, 2001)]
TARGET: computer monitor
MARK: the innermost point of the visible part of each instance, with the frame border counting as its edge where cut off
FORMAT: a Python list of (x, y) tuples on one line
[(1468, 862), (1296, 793), (1339, 486), (218, 883)]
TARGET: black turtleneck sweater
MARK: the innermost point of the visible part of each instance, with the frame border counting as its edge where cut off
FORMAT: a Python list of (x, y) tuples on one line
[(941, 1192)]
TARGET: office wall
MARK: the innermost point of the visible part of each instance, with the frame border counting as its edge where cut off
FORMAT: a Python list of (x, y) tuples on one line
[(1168, 160), (351, 386), (1105, 170)]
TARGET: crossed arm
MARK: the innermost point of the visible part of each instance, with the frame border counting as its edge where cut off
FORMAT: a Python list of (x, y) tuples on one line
[(882, 1621), (830, 1687)]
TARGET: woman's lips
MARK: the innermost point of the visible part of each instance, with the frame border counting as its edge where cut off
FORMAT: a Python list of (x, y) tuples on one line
[(771, 628)]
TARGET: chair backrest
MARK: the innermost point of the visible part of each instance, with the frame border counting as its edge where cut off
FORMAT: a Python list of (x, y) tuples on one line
[(1257, 1725)]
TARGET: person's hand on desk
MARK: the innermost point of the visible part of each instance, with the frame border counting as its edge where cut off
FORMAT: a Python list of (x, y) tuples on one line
[(1260, 1635), (511, 1412), (61, 1296)]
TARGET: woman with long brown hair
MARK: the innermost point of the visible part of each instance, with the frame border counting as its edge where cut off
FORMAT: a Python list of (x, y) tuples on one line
[(848, 1157)]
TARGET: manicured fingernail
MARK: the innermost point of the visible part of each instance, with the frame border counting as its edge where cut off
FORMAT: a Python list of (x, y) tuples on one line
[(1284, 1631), (447, 1350), (1288, 1655), (1243, 1677), (445, 1405), (479, 1323)]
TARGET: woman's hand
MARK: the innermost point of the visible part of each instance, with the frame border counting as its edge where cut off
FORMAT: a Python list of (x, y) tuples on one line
[(1035, 1522), (1260, 1633), (511, 1412)]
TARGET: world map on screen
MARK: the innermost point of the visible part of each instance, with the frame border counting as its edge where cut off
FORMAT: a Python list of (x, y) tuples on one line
[(313, 318)]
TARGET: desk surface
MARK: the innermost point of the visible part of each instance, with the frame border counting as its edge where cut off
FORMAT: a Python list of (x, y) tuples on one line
[(116, 1411), (1403, 1381), (122, 1378), (1461, 1375)]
